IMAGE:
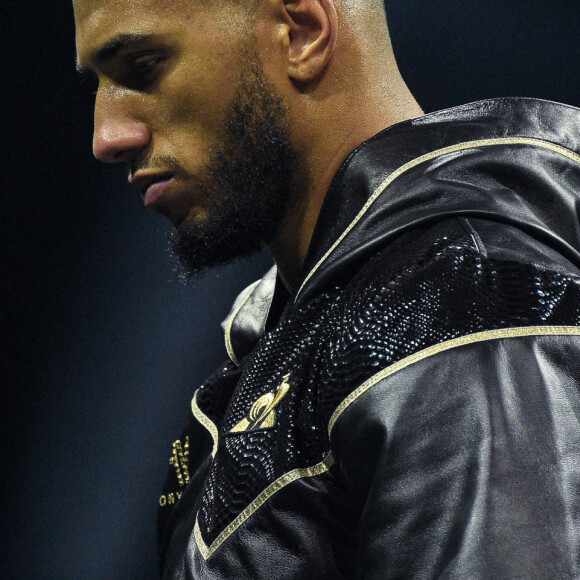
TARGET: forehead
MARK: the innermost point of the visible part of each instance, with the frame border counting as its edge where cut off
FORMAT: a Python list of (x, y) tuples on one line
[(99, 21), (186, 22), (96, 10)]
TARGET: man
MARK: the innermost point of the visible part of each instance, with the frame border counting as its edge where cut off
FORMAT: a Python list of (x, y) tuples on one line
[(402, 396)]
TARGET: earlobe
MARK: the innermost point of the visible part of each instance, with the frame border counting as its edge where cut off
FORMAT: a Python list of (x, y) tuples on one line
[(313, 26)]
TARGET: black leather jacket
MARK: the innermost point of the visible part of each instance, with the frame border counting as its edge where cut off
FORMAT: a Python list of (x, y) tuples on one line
[(414, 410)]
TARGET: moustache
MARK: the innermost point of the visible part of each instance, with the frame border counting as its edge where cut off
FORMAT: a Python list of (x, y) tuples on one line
[(165, 163)]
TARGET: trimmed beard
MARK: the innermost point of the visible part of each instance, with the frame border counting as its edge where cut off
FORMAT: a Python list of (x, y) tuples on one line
[(251, 182)]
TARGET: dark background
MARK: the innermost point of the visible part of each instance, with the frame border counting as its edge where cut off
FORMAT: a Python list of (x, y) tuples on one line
[(101, 346)]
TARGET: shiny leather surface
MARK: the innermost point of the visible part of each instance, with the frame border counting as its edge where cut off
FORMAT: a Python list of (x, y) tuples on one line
[(460, 465), (478, 475)]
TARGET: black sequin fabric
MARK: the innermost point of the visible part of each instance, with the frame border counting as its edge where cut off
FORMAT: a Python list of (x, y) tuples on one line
[(426, 288)]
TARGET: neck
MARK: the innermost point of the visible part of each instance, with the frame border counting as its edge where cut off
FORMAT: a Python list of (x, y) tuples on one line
[(325, 145)]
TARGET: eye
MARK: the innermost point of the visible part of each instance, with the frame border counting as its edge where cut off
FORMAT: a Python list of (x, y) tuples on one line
[(144, 67), (142, 71)]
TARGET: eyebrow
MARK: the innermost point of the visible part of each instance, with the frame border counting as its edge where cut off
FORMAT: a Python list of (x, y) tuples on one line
[(111, 49)]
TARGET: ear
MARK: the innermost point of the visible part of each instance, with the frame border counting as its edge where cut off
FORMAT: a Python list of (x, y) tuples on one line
[(312, 37)]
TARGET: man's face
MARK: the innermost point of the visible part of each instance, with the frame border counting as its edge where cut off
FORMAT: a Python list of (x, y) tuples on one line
[(183, 101)]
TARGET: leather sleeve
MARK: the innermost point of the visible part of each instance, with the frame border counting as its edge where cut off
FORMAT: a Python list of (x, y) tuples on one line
[(466, 464)]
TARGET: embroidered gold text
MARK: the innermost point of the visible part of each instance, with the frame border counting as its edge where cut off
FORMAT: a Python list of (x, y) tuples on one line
[(180, 460), (170, 498)]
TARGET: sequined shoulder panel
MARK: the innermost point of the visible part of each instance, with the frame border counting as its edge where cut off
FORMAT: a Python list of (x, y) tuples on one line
[(405, 301)]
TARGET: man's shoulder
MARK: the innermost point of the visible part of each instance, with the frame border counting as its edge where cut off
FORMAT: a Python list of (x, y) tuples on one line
[(453, 283), (453, 279), (457, 275)]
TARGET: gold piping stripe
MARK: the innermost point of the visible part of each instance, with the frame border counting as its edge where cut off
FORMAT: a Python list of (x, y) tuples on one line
[(443, 346), (206, 422), (428, 157), (228, 331), (258, 502)]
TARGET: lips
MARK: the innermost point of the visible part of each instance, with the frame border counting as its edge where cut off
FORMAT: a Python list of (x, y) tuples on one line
[(154, 192), (153, 186)]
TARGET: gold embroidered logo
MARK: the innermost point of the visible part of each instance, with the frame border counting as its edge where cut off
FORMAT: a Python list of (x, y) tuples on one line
[(262, 415), (180, 460)]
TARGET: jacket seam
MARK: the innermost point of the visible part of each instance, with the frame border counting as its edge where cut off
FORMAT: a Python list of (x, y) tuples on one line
[(475, 237), (284, 480), (487, 335)]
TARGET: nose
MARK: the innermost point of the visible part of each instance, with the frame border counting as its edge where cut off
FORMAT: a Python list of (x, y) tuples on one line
[(119, 136)]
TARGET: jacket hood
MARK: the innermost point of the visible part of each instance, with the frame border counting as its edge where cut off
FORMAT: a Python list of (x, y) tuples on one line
[(511, 160)]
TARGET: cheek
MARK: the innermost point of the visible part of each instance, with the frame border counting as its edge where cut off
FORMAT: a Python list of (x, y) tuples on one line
[(188, 117), (198, 100)]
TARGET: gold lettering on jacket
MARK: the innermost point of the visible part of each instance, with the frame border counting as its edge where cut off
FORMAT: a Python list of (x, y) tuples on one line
[(180, 461), (170, 498), (262, 415)]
